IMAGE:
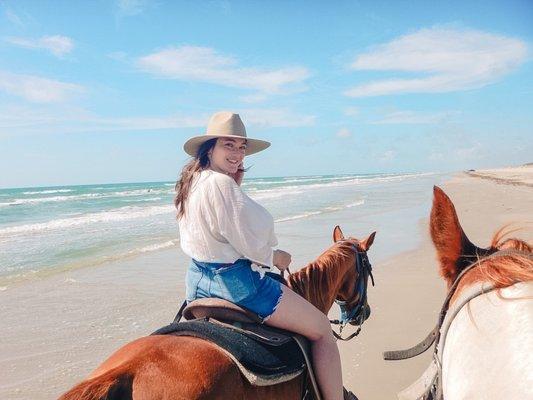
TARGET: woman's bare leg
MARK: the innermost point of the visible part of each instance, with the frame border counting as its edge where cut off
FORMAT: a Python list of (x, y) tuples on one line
[(296, 314)]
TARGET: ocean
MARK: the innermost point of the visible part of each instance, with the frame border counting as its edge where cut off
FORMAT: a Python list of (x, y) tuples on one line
[(49, 229)]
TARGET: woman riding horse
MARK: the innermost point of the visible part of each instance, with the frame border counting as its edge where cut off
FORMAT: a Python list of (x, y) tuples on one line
[(229, 237)]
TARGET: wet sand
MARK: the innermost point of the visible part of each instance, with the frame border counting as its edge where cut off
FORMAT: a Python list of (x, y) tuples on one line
[(57, 329)]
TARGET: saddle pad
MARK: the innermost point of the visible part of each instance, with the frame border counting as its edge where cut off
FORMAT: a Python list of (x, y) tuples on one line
[(261, 363)]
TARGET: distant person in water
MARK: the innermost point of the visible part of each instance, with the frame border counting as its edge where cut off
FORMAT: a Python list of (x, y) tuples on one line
[(224, 232)]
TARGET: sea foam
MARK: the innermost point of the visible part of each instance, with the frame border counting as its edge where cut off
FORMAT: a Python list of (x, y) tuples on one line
[(120, 214)]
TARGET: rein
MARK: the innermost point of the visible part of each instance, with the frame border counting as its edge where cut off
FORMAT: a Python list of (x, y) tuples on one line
[(434, 335)]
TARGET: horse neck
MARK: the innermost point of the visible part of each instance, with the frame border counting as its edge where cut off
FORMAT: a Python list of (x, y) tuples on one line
[(469, 359), (321, 280)]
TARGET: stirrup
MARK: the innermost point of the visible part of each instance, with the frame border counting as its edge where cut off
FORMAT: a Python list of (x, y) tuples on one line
[(348, 395)]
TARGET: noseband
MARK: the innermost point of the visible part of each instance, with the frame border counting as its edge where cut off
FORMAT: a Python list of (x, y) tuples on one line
[(358, 302)]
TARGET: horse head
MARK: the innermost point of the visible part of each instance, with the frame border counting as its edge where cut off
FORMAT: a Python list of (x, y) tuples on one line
[(352, 296), (456, 252), (485, 323), (472, 345), (340, 274)]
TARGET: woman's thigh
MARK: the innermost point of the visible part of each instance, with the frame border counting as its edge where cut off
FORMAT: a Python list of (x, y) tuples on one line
[(296, 314)]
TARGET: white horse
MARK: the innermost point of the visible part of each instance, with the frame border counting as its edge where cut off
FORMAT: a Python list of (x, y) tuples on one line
[(488, 351), (485, 344)]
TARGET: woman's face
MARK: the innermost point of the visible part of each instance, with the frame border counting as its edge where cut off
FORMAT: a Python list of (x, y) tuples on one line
[(227, 155)]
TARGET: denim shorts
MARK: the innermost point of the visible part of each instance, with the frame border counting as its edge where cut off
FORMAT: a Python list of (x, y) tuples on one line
[(235, 282)]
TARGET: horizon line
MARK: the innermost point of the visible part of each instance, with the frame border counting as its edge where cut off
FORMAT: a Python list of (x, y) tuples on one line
[(257, 177)]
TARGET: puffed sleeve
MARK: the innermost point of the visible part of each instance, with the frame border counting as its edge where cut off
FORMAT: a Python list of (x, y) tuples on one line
[(246, 225)]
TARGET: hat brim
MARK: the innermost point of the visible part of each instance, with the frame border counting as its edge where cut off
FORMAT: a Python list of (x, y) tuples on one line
[(253, 146)]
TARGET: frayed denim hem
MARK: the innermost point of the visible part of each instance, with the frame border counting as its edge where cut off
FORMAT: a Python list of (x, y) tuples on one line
[(275, 306)]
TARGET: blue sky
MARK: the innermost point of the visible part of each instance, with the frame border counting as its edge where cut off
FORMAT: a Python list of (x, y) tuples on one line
[(108, 91)]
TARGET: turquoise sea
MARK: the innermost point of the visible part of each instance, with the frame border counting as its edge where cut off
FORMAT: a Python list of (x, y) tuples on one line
[(48, 229)]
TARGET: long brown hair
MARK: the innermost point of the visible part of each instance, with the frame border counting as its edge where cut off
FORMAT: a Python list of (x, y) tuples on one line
[(197, 164)]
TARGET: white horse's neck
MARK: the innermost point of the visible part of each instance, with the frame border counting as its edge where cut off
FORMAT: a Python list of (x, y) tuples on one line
[(488, 352)]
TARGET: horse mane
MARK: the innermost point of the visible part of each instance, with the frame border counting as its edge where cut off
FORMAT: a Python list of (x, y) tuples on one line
[(499, 243), (326, 271), (505, 270)]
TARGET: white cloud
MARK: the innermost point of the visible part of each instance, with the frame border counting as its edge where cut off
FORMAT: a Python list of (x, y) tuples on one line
[(436, 155), (467, 150), (275, 118), (131, 7), (454, 59), (68, 119), (344, 133), (411, 117), (37, 89), (146, 123), (118, 56), (387, 156), (254, 98), (474, 151), (13, 17), (311, 140), (351, 111), (57, 45), (48, 120), (204, 64)]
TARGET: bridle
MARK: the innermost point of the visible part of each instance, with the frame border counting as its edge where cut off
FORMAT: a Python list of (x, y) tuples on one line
[(438, 334), (358, 302)]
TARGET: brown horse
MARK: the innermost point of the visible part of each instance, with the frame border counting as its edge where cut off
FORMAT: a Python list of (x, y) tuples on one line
[(487, 352), (170, 367)]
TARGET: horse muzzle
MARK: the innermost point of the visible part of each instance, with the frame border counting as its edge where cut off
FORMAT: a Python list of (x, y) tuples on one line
[(361, 316)]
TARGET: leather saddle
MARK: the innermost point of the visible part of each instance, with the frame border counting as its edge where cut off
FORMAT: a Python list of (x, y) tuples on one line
[(219, 309), (265, 355)]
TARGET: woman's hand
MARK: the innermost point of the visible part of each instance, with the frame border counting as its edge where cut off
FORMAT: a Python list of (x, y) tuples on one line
[(282, 259), (239, 175)]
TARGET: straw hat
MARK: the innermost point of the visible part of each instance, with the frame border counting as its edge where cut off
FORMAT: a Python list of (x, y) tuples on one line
[(224, 124)]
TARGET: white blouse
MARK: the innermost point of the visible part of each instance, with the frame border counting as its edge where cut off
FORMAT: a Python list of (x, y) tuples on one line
[(222, 224)]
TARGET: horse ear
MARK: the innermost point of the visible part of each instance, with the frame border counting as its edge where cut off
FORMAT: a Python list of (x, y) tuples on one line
[(337, 234), (365, 244), (454, 251)]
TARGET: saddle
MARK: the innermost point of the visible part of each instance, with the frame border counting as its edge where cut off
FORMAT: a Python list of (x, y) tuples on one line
[(264, 355)]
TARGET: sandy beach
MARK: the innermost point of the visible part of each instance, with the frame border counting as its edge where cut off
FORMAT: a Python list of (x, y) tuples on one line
[(56, 329)]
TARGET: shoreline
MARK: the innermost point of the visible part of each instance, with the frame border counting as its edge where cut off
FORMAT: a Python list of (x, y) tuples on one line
[(91, 227), (10, 282), (64, 325)]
